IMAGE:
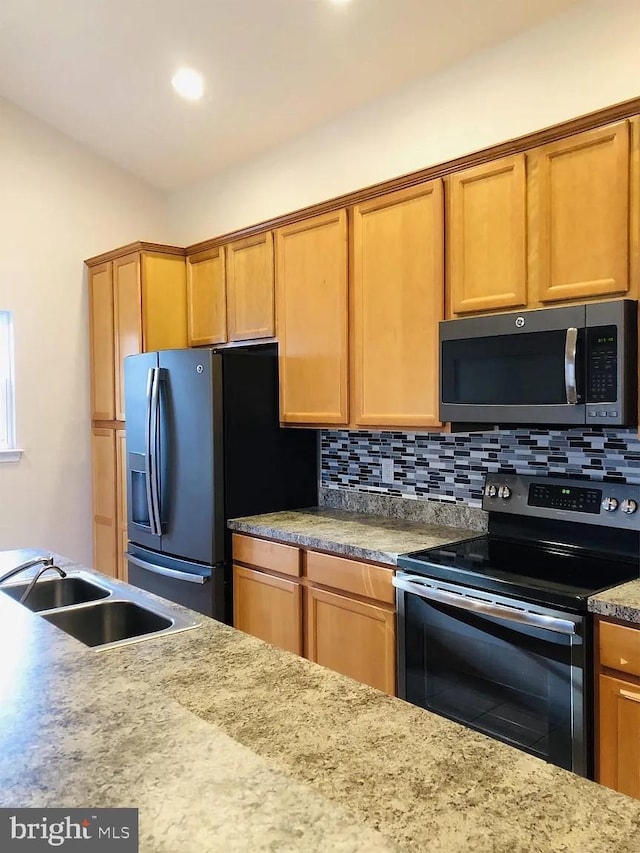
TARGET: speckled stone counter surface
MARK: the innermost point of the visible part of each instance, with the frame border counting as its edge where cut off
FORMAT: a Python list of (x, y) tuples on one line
[(225, 743), (352, 534), (621, 602)]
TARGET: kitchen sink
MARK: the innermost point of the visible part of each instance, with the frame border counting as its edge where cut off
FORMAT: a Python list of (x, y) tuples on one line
[(98, 612), (109, 622), (51, 593)]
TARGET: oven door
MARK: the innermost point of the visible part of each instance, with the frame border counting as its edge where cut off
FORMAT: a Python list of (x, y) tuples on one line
[(514, 368), (511, 670)]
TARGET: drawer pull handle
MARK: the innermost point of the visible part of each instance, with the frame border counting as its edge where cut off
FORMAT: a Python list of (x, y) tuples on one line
[(635, 697)]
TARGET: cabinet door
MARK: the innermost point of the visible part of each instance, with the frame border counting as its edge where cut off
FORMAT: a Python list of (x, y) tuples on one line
[(121, 502), (352, 637), (579, 215), (128, 318), (398, 296), (250, 296), (105, 532), (268, 607), (487, 246), (164, 302), (619, 735), (311, 282), (103, 403), (206, 298)]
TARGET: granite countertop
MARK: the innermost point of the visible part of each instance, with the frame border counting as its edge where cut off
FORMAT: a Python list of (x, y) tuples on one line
[(621, 602), (226, 743), (353, 534)]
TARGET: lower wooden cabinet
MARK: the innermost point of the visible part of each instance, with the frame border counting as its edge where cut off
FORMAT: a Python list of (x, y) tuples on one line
[(268, 607), (618, 674), (109, 502), (337, 612), (351, 637), (103, 445), (619, 708)]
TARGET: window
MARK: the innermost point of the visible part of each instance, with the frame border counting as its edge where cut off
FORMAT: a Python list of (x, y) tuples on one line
[(7, 389)]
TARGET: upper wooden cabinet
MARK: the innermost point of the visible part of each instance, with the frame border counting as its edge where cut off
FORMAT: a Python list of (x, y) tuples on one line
[(250, 296), (103, 405), (137, 302), (487, 237), (580, 216), (207, 295), (398, 301), (312, 294), (127, 290), (231, 292)]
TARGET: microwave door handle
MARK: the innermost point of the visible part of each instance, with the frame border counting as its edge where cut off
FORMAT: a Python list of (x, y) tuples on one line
[(570, 346), (417, 586)]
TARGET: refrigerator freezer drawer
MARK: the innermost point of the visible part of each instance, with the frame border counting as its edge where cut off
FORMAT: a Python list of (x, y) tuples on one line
[(192, 585)]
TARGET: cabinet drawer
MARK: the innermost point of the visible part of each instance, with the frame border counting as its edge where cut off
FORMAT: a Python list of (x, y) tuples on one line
[(620, 647), (267, 555), (351, 576)]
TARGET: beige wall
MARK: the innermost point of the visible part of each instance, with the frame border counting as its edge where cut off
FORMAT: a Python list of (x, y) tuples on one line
[(580, 61), (58, 205)]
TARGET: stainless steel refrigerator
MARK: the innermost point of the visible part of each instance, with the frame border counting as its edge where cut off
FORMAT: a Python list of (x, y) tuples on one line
[(204, 444)]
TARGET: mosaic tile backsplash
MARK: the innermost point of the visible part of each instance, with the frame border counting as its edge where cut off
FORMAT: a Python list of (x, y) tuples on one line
[(451, 467)]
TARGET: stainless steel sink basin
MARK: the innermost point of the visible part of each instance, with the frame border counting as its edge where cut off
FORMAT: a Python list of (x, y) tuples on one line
[(100, 613), (51, 593), (109, 622)]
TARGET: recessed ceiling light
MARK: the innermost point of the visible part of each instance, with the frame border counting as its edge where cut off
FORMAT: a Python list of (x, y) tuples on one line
[(188, 83), (339, 2)]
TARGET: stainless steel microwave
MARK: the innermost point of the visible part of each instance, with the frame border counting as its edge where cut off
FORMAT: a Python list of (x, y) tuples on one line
[(573, 365)]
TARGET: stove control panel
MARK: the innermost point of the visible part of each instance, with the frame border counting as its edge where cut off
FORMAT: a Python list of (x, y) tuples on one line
[(577, 498), (607, 504)]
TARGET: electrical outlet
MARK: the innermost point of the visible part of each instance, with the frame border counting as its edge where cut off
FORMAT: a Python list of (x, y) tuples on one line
[(387, 469)]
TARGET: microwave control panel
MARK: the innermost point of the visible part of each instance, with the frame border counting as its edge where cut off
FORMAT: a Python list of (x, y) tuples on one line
[(602, 364)]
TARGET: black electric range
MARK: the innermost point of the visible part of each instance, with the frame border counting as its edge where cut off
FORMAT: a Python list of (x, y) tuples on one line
[(493, 631), (550, 540)]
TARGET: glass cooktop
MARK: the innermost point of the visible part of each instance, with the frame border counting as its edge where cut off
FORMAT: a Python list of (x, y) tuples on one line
[(548, 575)]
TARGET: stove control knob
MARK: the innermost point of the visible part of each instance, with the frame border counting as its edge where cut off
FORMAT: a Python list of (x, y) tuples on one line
[(504, 492), (610, 504), (491, 491), (629, 506)]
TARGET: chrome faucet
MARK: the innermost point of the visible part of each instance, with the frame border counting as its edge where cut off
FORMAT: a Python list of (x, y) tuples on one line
[(47, 563)]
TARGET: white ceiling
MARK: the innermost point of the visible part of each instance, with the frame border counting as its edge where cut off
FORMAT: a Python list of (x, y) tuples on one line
[(100, 70)]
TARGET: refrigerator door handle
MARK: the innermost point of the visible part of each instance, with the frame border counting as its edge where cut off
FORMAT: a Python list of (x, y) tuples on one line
[(148, 452), (169, 573), (154, 471)]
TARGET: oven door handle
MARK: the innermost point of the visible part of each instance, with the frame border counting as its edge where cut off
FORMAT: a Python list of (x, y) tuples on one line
[(570, 346), (417, 586)]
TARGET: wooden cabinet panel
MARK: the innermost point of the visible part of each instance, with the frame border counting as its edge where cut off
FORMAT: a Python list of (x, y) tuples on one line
[(128, 318), (102, 343), (619, 735), (619, 647), (487, 238), (250, 288), (268, 607), (121, 502), (103, 443), (579, 215), (312, 293), (266, 555), (351, 637), (398, 295), (206, 296), (164, 302), (350, 576)]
